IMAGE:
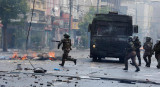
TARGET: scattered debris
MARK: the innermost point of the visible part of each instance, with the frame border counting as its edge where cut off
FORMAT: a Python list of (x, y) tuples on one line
[(49, 84), (105, 73), (56, 69), (3, 71), (39, 70), (4, 79), (2, 85), (92, 72), (41, 83), (66, 81), (127, 81), (3, 75), (84, 77), (59, 80), (19, 78), (14, 75), (67, 69), (70, 78), (147, 79), (78, 78), (95, 78), (19, 67), (35, 82), (28, 69)]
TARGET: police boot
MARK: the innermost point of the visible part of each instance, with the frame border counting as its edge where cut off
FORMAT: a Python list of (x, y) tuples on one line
[(125, 69), (158, 67), (147, 65), (137, 70), (75, 61), (61, 64)]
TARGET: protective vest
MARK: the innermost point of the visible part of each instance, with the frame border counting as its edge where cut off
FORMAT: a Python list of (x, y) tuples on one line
[(137, 44), (130, 47), (157, 48), (148, 46), (66, 44)]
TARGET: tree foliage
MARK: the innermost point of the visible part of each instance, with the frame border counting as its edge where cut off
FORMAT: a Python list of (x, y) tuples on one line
[(11, 9)]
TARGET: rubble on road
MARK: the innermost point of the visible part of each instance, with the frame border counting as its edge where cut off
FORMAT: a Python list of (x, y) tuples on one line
[(35, 56)]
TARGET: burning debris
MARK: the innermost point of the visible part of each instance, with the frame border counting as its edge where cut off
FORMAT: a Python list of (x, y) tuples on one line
[(34, 55), (51, 55), (15, 55)]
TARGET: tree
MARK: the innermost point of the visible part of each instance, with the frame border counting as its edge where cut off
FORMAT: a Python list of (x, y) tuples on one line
[(10, 9)]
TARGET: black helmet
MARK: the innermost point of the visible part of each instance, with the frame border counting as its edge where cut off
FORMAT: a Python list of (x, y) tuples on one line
[(66, 35), (148, 39), (130, 39), (158, 41)]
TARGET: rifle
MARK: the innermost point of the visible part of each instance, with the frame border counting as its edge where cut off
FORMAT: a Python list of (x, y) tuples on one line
[(55, 41)]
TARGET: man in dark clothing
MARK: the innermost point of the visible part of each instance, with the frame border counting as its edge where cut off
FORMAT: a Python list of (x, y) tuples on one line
[(66, 48), (130, 53), (148, 51), (157, 52), (137, 45)]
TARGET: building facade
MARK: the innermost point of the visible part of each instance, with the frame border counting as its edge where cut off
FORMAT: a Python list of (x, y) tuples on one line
[(37, 33)]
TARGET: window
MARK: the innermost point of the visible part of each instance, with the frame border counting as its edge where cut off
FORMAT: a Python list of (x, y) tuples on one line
[(111, 29)]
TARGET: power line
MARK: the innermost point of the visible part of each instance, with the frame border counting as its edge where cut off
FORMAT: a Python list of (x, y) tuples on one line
[(30, 24)]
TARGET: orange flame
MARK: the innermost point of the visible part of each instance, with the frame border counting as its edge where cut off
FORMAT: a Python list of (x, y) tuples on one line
[(34, 54), (15, 55), (24, 57), (51, 55)]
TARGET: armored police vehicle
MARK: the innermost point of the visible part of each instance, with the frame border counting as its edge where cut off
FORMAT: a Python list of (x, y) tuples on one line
[(109, 35)]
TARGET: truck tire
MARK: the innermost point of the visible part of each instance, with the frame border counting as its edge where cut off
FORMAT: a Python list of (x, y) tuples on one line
[(94, 59), (99, 59)]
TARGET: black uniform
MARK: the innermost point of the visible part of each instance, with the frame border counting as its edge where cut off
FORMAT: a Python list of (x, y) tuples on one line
[(130, 53), (137, 45), (148, 52), (66, 48), (157, 53)]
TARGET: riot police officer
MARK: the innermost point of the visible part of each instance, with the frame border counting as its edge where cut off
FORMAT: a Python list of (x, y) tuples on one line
[(157, 52), (148, 51), (137, 45), (66, 48), (130, 53)]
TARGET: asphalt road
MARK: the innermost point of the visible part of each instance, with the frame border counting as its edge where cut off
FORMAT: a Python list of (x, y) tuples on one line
[(107, 73)]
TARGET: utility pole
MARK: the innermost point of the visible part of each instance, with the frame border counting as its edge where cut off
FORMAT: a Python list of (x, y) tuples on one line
[(97, 6), (70, 15)]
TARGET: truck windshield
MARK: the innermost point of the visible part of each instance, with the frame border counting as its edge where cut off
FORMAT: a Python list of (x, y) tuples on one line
[(111, 30)]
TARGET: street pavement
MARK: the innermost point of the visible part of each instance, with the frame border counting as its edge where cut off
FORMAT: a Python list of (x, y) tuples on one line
[(107, 73)]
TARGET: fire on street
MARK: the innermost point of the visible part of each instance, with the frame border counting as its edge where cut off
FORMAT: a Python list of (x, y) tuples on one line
[(86, 73)]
